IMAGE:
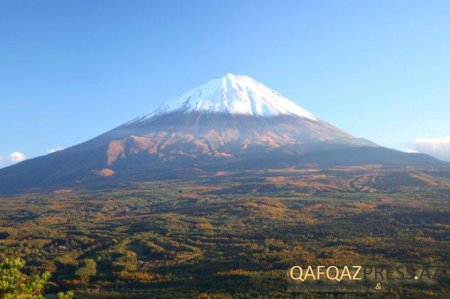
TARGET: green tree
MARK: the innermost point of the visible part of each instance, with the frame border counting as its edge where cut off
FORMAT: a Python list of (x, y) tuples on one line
[(68, 295), (16, 285), (88, 269)]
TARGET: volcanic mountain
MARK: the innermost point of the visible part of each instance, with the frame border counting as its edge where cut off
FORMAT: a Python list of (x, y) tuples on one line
[(230, 123)]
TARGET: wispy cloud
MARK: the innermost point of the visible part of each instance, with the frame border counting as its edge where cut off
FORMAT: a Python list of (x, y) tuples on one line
[(437, 147), (12, 158), (56, 149)]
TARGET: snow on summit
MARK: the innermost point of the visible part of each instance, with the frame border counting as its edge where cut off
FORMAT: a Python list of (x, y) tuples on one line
[(232, 94)]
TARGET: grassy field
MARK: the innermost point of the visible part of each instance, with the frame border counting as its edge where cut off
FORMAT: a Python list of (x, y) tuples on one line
[(230, 236)]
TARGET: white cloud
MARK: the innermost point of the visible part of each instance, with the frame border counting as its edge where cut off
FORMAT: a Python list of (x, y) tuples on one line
[(56, 149), (12, 158), (437, 147), (411, 150)]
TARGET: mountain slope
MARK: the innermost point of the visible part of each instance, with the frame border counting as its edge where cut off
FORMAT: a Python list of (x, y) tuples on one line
[(229, 123)]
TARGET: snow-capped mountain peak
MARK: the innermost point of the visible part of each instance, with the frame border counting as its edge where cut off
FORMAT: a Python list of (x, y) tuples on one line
[(232, 94)]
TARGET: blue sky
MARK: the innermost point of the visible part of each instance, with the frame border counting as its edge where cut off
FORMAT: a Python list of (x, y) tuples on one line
[(70, 70)]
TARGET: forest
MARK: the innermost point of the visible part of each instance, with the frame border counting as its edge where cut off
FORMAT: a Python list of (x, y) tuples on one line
[(229, 236)]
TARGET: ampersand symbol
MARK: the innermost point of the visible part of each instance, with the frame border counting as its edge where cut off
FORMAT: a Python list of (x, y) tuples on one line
[(378, 286)]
